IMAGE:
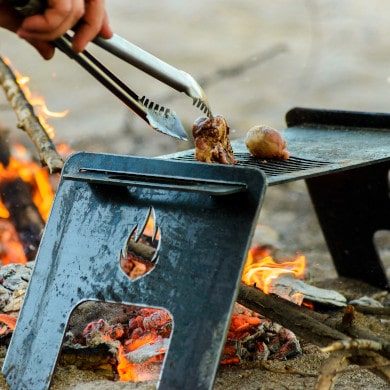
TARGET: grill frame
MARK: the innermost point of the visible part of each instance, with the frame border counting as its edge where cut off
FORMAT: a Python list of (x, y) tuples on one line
[(344, 158), (320, 142)]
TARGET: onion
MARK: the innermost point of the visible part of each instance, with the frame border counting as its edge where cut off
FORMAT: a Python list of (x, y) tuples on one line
[(265, 142)]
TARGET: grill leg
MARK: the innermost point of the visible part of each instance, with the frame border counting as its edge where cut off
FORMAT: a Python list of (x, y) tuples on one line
[(351, 206)]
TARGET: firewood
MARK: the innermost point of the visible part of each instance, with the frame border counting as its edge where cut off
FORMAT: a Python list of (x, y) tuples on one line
[(353, 344), (317, 328), (17, 197), (330, 368), (304, 322), (28, 121), (344, 355), (380, 311)]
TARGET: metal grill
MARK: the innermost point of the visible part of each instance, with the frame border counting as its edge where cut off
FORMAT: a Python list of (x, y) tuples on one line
[(320, 142), (344, 158), (269, 167)]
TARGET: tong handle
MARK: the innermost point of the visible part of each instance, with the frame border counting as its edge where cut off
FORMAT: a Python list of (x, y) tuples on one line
[(134, 55), (148, 63), (158, 117), (177, 79), (164, 182), (101, 73)]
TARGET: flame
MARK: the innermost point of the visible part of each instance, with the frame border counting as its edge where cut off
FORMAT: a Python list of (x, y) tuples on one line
[(261, 269), (9, 324), (11, 248), (150, 228), (126, 370), (8, 320), (140, 371), (20, 167), (33, 174)]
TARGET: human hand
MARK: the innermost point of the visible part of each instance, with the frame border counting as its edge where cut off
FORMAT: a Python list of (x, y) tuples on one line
[(88, 18)]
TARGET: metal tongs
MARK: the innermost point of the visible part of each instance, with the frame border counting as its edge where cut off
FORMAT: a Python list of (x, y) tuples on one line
[(158, 117)]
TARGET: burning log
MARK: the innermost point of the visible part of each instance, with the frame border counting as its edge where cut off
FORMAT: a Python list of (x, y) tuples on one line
[(26, 195), (301, 320), (28, 121), (16, 196), (315, 327)]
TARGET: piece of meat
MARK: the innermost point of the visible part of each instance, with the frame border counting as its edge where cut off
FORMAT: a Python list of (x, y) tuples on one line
[(212, 142), (265, 142)]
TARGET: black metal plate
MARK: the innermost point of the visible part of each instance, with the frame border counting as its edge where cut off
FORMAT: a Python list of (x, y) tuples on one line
[(203, 245)]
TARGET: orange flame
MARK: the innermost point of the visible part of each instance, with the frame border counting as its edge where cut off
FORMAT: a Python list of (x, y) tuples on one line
[(33, 174), (8, 320), (7, 324), (42, 196), (11, 248), (138, 372), (126, 370), (261, 269)]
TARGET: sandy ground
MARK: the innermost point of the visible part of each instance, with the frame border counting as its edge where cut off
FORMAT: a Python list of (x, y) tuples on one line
[(311, 53)]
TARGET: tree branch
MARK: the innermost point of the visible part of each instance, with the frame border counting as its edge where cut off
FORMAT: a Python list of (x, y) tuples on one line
[(28, 121)]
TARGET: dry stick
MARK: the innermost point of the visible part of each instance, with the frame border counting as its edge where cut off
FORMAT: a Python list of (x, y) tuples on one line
[(339, 362), (28, 121), (380, 311)]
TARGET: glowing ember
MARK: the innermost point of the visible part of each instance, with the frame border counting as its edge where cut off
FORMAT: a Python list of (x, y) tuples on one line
[(141, 344), (262, 271), (9, 324)]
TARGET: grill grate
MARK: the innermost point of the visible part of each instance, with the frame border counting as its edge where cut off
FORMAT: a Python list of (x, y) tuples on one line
[(320, 142), (269, 167)]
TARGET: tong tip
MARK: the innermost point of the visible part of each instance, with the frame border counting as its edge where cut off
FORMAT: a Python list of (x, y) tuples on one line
[(203, 106), (163, 119)]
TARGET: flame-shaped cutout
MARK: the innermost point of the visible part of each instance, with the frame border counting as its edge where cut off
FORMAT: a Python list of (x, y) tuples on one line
[(140, 253)]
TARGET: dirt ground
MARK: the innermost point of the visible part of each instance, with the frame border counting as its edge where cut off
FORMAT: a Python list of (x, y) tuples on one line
[(257, 60)]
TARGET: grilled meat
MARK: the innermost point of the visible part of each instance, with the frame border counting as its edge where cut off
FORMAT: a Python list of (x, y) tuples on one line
[(212, 142)]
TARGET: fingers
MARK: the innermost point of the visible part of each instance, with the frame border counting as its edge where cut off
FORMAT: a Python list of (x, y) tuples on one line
[(106, 31), (87, 17), (93, 23), (45, 49), (58, 17)]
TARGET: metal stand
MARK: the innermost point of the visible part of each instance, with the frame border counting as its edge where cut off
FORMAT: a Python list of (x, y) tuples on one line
[(351, 206), (205, 224)]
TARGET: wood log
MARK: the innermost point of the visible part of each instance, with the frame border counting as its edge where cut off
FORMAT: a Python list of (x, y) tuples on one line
[(17, 197), (28, 121), (304, 322), (314, 327)]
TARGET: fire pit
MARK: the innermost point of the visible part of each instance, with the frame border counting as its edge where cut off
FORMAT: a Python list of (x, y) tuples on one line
[(327, 153)]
